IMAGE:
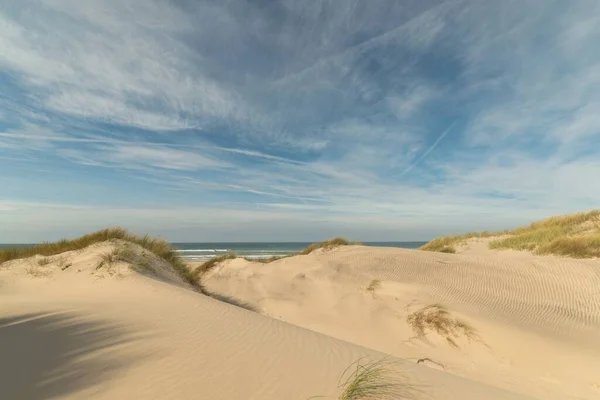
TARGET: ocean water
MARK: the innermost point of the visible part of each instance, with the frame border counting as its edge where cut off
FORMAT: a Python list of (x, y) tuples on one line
[(205, 251)]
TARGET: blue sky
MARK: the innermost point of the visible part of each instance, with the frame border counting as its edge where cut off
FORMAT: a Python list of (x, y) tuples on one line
[(295, 120)]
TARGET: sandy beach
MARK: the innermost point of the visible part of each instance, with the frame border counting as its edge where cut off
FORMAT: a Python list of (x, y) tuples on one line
[(74, 327)]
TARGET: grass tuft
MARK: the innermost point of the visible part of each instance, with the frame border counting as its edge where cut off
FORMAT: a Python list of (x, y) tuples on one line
[(42, 262), (373, 286), (448, 249), (159, 247), (375, 380), (328, 244), (437, 318)]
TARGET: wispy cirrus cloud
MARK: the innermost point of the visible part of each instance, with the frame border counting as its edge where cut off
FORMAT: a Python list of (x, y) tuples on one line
[(362, 114)]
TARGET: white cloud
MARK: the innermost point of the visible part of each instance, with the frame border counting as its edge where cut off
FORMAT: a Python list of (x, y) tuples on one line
[(111, 67)]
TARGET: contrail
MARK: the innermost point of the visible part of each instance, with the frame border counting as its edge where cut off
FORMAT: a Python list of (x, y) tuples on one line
[(429, 150)]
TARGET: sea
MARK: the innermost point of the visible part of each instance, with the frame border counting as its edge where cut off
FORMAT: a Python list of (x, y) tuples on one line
[(205, 251), (255, 250)]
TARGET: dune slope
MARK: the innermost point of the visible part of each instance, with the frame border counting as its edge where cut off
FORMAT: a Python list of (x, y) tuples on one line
[(509, 319)]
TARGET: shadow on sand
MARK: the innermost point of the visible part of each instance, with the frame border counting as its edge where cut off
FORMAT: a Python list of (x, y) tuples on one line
[(47, 355)]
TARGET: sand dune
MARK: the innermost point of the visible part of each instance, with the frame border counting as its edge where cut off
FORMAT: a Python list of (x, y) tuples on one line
[(76, 326), (536, 318), (72, 329)]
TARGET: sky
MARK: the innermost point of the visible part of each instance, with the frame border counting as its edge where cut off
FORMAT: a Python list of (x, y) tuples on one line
[(270, 120)]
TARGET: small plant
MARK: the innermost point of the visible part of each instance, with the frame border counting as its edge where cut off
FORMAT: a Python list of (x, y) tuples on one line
[(436, 318), (42, 262), (373, 286), (110, 258), (448, 249), (38, 273), (375, 380), (328, 244)]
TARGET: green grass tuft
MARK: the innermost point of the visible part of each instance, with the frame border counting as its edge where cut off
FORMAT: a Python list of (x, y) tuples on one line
[(376, 380), (159, 247), (328, 244)]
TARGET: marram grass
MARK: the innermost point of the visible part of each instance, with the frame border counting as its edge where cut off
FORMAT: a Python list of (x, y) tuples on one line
[(574, 235), (376, 380), (328, 244), (159, 247)]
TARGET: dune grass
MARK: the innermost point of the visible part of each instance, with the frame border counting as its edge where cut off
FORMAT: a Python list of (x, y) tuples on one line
[(375, 380), (448, 249), (44, 261), (446, 244), (328, 244), (373, 286), (159, 247), (574, 235), (437, 318)]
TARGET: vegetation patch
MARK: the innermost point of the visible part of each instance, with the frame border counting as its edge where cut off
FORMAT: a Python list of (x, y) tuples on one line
[(446, 244), (42, 262), (328, 244), (373, 286), (375, 380), (436, 318), (574, 235), (159, 247), (448, 249), (38, 272)]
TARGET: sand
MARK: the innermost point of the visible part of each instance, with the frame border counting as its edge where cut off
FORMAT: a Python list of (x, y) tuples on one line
[(121, 332)]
